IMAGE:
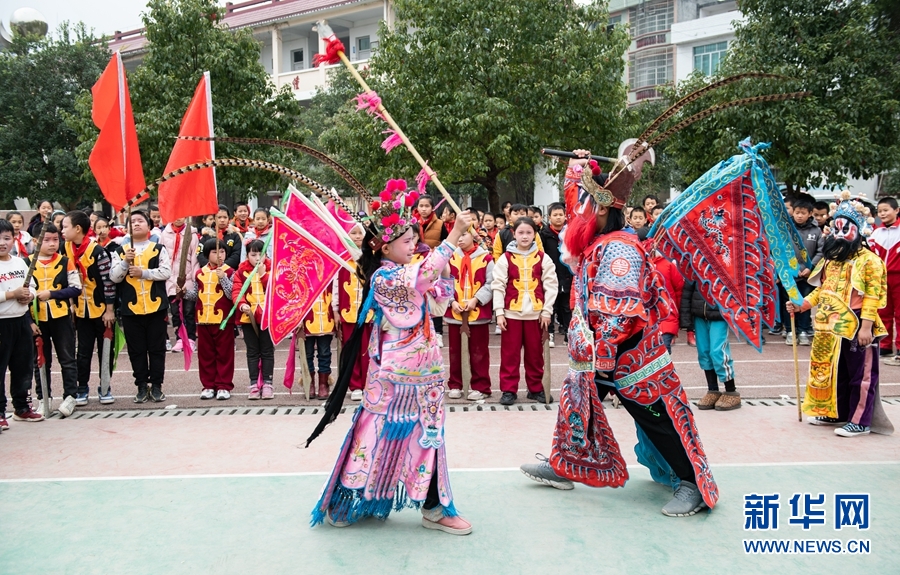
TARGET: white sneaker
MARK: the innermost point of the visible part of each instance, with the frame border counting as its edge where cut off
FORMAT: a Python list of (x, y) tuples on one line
[(497, 330), (356, 395), (223, 394), (39, 408), (207, 394), (440, 340), (789, 340), (552, 343), (67, 407), (168, 345), (454, 394), (476, 396)]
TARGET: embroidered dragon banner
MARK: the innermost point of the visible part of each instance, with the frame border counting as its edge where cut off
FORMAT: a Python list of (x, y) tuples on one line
[(302, 268), (730, 232)]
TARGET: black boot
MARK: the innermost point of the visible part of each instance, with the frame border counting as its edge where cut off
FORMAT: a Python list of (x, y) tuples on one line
[(712, 381), (142, 394)]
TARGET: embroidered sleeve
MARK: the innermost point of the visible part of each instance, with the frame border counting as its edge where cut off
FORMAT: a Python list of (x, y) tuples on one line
[(570, 187), (227, 286), (875, 292), (432, 266), (104, 264)]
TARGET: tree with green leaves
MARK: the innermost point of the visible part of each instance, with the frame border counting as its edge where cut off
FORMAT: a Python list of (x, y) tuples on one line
[(480, 86), (846, 54), (186, 40), (39, 80)]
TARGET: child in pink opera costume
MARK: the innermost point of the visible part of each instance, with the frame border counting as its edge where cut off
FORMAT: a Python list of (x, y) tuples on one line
[(394, 454)]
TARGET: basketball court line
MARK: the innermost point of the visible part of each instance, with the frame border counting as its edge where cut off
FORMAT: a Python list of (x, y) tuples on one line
[(632, 466)]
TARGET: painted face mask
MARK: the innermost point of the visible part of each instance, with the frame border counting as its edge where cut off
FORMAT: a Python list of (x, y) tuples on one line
[(844, 229)]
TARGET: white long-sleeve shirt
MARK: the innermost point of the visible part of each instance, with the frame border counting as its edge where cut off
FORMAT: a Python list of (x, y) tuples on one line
[(12, 276), (119, 269)]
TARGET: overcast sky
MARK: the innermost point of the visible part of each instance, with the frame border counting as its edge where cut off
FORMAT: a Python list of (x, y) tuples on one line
[(104, 16)]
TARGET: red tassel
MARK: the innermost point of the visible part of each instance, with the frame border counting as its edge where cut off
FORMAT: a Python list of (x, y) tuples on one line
[(332, 47)]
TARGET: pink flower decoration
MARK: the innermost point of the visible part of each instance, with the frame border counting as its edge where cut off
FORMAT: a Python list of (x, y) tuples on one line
[(392, 141), (386, 238), (397, 204), (385, 196), (402, 222)]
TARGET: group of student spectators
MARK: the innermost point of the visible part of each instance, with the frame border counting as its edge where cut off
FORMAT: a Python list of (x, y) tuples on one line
[(92, 274)]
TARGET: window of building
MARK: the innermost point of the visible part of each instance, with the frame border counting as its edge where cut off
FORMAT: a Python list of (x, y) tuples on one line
[(364, 47), (708, 57), (297, 60), (650, 68), (651, 17)]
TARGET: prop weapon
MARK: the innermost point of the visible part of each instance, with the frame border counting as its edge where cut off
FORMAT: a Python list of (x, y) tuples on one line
[(796, 366), (545, 338), (105, 367), (465, 359)]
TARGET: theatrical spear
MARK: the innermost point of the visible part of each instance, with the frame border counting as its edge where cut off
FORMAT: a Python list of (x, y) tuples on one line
[(334, 53)]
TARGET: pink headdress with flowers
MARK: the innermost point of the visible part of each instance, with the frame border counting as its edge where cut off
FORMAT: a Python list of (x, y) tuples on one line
[(391, 213)]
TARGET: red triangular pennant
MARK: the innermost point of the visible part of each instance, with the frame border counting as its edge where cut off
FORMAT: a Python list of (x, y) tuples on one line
[(115, 159), (194, 193)]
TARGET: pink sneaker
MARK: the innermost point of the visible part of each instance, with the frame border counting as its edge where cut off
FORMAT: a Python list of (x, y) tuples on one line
[(193, 345), (435, 519), (254, 391), (267, 392), (178, 347)]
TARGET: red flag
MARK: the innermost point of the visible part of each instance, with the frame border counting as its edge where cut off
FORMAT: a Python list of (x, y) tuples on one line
[(302, 267), (192, 194), (115, 160)]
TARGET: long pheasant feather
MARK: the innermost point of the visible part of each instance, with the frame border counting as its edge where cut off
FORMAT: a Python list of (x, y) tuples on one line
[(692, 97)]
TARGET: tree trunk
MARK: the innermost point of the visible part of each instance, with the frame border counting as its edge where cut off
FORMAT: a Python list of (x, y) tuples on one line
[(490, 184)]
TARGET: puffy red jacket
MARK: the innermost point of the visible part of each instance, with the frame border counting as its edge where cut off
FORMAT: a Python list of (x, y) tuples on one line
[(674, 285)]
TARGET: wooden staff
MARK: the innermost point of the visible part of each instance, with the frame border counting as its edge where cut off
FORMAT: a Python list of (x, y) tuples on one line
[(325, 31), (545, 338), (796, 366), (465, 358)]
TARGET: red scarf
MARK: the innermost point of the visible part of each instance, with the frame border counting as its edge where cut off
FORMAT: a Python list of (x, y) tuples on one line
[(77, 252), (260, 233), (20, 247), (465, 267), (423, 224), (221, 233), (241, 227), (177, 231)]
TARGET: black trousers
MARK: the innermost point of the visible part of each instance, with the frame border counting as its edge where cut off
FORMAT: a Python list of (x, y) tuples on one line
[(61, 333), (17, 355), (259, 346), (432, 498), (190, 317), (89, 333), (656, 423), (561, 313), (146, 337), (654, 420)]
